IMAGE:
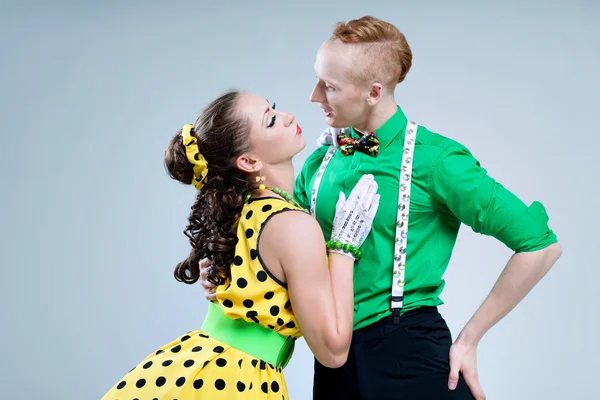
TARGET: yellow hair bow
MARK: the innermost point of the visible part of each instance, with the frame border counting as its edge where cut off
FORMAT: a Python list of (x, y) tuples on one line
[(194, 156)]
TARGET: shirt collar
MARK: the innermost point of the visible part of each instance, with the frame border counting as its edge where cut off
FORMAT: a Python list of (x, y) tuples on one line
[(389, 130)]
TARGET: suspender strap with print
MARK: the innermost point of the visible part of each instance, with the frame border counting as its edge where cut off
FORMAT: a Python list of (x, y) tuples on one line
[(402, 221), (401, 238)]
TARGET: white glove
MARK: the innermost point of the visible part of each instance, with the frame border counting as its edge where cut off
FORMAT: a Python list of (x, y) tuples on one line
[(354, 217)]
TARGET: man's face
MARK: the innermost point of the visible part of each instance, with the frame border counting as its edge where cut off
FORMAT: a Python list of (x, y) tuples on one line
[(343, 101)]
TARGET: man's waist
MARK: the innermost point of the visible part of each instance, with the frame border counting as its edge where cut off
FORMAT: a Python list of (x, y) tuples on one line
[(375, 308)]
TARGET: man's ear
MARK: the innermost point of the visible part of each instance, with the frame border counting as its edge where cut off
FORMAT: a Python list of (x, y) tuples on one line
[(249, 163), (375, 93)]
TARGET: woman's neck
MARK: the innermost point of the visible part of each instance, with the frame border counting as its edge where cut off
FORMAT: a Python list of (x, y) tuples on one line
[(280, 176)]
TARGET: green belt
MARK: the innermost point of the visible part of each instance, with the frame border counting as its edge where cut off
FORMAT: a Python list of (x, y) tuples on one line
[(251, 338)]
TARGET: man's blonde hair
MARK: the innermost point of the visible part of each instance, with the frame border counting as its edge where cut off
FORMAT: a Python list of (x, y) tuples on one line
[(387, 57)]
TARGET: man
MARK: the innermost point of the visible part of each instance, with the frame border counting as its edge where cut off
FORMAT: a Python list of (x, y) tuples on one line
[(429, 185)]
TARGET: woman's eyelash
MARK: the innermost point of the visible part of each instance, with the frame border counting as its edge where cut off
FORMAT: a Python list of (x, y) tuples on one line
[(272, 122)]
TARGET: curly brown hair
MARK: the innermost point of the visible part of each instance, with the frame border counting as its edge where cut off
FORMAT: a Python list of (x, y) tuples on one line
[(222, 133)]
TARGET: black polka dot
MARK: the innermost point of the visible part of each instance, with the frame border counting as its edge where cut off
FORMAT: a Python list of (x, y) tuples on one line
[(220, 384), (221, 362), (275, 386), (197, 349), (198, 383), (121, 385), (261, 276), (291, 324), (238, 260), (161, 380), (228, 303), (250, 386), (188, 363), (167, 363), (248, 303), (271, 366), (242, 283), (180, 382), (252, 315), (287, 305), (279, 321), (147, 365), (203, 335), (241, 387), (263, 365), (253, 254), (218, 349), (176, 349), (269, 295), (240, 363), (249, 214), (274, 310), (186, 337), (271, 326), (264, 387), (159, 352), (140, 383), (205, 363), (267, 208), (197, 156), (254, 362), (249, 233)]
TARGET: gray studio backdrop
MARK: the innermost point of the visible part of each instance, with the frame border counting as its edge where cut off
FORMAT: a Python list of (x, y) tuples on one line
[(91, 93)]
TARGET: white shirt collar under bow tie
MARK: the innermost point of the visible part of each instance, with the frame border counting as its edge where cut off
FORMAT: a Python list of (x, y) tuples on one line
[(329, 137)]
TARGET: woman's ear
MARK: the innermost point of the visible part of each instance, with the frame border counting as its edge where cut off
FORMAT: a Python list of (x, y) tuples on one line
[(249, 163)]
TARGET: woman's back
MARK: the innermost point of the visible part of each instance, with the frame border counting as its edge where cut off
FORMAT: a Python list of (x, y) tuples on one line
[(253, 292), (198, 365)]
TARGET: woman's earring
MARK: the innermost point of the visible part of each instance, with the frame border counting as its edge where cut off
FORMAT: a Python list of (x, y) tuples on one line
[(261, 179)]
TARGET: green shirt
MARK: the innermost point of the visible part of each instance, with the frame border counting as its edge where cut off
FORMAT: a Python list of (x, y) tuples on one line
[(449, 187)]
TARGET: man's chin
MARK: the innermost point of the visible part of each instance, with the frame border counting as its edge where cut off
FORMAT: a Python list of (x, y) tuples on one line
[(335, 123)]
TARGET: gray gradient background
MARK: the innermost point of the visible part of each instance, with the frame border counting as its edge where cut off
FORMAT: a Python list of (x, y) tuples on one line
[(91, 93)]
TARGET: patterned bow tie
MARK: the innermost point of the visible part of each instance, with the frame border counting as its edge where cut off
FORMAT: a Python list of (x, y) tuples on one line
[(368, 144)]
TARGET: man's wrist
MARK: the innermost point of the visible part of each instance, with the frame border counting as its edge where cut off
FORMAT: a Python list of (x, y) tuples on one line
[(469, 336)]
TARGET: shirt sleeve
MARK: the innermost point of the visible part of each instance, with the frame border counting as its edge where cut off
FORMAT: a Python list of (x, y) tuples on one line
[(460, 186), (300, 194)]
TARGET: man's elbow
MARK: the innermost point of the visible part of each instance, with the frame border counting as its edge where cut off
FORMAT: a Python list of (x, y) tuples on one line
[(332, 360), (552, 253)]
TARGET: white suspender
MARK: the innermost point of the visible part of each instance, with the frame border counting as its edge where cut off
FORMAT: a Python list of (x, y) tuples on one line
[(402, 220), (327, 137)]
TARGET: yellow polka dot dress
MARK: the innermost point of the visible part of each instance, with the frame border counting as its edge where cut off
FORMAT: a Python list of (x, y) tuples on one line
[(196, 366)]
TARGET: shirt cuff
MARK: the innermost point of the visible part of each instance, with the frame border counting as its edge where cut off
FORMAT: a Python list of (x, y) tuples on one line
[(530, 231)]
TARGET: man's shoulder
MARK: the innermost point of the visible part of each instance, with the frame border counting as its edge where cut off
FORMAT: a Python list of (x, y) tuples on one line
[(435, 143)]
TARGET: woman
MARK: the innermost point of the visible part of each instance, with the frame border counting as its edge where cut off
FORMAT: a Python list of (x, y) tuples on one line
[(269, 263)]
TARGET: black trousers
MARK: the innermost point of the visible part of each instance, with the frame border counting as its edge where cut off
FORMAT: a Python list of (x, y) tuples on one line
[(408, 360)]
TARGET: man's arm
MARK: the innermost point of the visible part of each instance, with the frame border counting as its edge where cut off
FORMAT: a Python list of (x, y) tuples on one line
[(459, 185), (522, 272)]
